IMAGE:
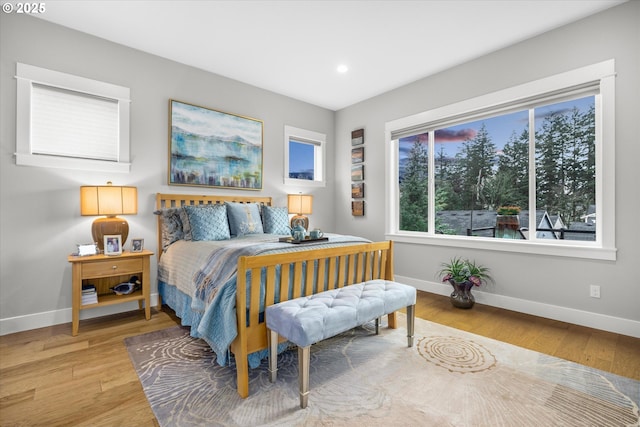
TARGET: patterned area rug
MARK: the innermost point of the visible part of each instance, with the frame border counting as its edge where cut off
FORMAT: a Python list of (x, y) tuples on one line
[(449, 378)]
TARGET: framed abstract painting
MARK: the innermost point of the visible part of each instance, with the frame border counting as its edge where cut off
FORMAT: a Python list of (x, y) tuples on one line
[(210, 148)]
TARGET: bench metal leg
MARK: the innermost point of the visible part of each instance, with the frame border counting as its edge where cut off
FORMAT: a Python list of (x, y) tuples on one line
[(378, 325), (303, 374), (273, 355), (411, 317)]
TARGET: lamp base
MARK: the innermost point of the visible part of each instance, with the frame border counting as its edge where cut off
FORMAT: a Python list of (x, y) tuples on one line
[(108, 226), (300, 220)]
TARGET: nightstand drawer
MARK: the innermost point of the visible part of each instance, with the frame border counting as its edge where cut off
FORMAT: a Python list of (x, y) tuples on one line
[(111, 267)]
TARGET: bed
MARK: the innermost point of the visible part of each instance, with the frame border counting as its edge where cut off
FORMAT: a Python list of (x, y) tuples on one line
[(204, 275)]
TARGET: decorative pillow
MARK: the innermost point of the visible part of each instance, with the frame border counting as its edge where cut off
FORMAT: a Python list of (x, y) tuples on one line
[(208, 222), (276, 220), (186, 225), (171, 225), (244, 218)]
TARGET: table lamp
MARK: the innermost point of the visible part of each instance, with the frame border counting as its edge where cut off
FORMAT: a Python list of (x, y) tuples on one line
[(300, 205), (108, 200)]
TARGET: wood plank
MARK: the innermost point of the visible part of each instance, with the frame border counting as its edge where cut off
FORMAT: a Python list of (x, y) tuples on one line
[(88, 380)]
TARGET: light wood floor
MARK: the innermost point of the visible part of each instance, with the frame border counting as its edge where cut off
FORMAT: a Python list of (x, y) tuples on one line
[(49, 378)]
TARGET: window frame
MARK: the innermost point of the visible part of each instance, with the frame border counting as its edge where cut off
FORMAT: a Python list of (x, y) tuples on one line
[(27, 76), (601, 74), (318, 140)]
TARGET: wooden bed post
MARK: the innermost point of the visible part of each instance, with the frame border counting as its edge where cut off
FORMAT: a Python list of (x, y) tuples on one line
[(391, 318), (241, 350)]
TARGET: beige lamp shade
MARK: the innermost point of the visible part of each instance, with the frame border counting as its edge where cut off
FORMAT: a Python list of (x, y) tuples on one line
[(108, 200), (300, 205)]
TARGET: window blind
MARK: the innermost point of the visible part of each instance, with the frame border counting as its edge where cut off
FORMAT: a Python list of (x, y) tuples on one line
[(73, 124)]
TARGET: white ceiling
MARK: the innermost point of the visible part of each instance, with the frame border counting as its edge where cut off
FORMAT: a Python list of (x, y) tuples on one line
[(294, 47)]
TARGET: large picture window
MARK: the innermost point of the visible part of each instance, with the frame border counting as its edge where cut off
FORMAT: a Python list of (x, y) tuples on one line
[(528, 171)]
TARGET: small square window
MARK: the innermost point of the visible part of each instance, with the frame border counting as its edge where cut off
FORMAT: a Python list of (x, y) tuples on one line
[(304, 157)]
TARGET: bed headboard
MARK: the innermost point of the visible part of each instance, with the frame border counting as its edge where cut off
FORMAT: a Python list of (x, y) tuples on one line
[(164, 200)]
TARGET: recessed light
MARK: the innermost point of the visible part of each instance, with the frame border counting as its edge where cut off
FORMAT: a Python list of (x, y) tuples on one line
[(342, 68)]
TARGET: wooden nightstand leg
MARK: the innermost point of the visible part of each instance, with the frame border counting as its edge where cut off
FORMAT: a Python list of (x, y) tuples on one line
[(146, 286), (76, 297)]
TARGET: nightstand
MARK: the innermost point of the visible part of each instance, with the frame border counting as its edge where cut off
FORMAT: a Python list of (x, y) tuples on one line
[(105, 272)]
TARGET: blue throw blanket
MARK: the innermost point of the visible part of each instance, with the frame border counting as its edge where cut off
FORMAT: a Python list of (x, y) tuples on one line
[(222, 266)]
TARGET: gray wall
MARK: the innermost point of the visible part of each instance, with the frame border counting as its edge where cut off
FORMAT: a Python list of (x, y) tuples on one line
[(40, 220), (544, 285)]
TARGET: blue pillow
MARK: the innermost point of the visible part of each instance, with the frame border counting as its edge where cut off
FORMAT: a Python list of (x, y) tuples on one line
[(244, 218), (276, 220), (208, 222)]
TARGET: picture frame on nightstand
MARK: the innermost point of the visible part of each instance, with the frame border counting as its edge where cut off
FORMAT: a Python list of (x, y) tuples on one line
[(113, 244), (137, 245), (87, 249)]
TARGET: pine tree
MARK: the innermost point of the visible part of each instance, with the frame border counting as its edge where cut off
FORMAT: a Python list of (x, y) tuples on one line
[(476, 169), (511, 186), (414, 201)]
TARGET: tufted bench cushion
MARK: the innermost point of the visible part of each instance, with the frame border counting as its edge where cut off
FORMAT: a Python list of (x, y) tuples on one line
[(311, 319), (308, 320)]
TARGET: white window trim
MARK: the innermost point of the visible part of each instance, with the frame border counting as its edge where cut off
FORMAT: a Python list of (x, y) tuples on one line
[(604, 249), (312, 137), (26, 76)]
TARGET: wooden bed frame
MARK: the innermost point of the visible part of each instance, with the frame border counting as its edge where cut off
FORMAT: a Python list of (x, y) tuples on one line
[(338, 267)]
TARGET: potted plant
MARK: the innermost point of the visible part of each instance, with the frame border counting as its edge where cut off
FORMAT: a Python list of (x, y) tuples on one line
[(508, 210), (463, 275), (508, 222)]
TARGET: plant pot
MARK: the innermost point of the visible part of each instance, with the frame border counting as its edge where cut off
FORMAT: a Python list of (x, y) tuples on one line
[(507, 226), (461, 296)]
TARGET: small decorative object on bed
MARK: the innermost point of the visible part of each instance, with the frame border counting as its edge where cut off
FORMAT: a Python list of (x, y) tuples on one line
[(210, 148), (220, 286), (463, 275)]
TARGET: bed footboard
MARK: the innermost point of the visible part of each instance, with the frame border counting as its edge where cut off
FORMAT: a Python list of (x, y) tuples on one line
[(308, 272)]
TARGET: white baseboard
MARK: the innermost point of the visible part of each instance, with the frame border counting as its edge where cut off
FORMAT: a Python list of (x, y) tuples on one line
[(56, 317), (577, 317), (563, 314)]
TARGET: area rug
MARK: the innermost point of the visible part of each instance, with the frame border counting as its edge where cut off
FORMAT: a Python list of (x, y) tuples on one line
[(448, 378)]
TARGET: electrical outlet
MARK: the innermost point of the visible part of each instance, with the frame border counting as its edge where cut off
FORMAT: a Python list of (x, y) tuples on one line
[(594, 291)]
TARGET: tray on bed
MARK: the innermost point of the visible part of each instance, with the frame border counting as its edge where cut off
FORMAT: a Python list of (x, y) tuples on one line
[(302, 242)]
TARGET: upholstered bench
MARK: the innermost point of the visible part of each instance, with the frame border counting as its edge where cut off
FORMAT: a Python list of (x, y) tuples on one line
[(308, 320)]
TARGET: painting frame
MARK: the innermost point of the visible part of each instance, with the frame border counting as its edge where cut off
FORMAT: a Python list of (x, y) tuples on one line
[(357, 190), (357, 208), (357, 137), (357, 172), (214, 149), (357, 155)]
